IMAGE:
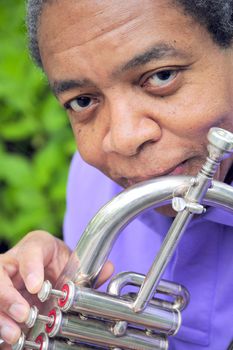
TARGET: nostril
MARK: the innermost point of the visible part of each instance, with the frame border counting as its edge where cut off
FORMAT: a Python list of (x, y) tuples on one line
[(130, 135), (144, 145)]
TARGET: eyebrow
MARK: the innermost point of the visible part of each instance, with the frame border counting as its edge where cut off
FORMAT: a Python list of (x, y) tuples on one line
[(60, 86), (156, 52)]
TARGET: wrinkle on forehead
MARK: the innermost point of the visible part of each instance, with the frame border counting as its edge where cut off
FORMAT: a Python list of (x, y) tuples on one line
[(92, 20)]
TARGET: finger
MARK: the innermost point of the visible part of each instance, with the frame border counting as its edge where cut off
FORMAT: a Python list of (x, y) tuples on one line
[(9, 330), (60, 258), (11, 301), (5, 346), (105, 273), (34, 255), (10, 265)]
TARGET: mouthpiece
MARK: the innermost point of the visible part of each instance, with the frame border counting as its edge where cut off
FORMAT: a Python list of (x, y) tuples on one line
[(221, 143)]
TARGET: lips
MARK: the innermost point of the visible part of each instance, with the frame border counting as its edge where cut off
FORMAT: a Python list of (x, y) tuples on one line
[(175, 170), (178, 170)]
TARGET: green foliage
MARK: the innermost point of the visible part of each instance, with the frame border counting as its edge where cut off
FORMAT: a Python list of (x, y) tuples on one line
[(36, 143)]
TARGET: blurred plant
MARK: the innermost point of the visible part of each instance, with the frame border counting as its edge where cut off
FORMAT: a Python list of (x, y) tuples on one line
[(36, 142)]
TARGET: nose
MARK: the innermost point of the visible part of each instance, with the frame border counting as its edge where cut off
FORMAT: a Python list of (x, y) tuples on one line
[(131, 126)]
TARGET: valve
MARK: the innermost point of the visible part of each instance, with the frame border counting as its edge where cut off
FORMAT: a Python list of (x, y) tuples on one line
[(34, 316), (47, 291), (65, 296), (41, 343)]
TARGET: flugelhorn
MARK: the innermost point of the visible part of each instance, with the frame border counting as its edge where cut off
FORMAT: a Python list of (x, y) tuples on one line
[(80, 317)]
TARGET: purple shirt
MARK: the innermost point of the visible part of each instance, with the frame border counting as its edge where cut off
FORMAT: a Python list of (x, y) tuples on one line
[(203, 261)]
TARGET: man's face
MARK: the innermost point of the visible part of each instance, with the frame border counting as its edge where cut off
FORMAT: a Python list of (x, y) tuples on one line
[(142, 82)]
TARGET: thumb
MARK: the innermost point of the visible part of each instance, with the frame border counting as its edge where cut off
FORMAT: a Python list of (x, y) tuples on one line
[(105, 273), (34, 254)]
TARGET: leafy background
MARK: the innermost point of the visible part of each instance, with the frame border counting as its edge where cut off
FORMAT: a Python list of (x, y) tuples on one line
[(36, 143)]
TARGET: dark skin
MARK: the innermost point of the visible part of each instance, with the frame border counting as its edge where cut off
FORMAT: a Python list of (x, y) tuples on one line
[(161, 91), (141, 95)]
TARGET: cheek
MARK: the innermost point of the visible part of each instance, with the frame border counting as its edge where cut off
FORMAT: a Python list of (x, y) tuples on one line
[(89, 143), (198, 110), (212, 114)]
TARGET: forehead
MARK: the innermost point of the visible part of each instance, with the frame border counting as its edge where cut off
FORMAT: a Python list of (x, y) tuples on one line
[(77, 28), (93, 16)]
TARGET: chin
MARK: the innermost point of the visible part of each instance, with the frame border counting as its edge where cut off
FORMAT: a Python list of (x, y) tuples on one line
[(166, 210)]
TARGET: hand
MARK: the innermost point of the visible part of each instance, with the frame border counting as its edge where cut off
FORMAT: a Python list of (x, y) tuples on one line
[(23, 269), (38, 256)]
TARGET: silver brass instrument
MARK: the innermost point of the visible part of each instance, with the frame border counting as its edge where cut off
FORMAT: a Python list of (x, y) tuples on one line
[(80, 317)]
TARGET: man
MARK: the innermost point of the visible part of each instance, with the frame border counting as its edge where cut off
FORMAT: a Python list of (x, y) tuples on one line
[(142, 82)]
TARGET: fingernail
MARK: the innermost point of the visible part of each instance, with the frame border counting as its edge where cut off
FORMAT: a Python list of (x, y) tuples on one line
[(19, 312), (10, 334), (32, 283)]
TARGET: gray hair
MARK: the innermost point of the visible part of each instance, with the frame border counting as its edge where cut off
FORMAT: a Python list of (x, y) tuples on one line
[(34, 9), (215, 15)]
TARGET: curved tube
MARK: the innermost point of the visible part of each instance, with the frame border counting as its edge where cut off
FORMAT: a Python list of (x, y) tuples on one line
[(179, 292), (103, 230), (100, 235)]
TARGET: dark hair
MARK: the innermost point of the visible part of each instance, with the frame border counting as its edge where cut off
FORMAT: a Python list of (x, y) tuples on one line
[(215, 15)]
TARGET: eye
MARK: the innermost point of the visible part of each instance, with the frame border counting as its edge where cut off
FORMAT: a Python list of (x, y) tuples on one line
[(162, 78), (80, 103)]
